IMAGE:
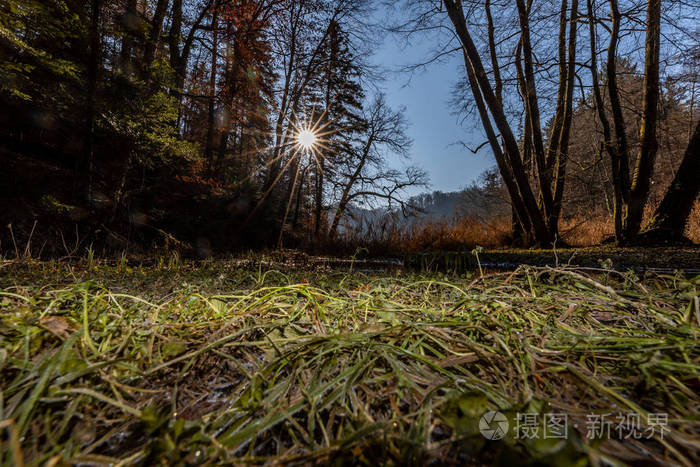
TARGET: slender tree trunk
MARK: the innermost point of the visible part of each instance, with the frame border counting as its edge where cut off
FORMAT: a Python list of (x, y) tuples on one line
[(332, 46), (557, 123), (128, 31), (644, 166), (212, 129), (562, 144), (672, 214), (290, 61), (504, 168), (300, 199), (153, 38), (179, 55), (518, 228), (539, 227), (84, 169), (227, 98), (532, 108), (498, 82), (620, 158), (345, 196)]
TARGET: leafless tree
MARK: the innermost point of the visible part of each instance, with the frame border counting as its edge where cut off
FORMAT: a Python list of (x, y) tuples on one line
[(365, 176)]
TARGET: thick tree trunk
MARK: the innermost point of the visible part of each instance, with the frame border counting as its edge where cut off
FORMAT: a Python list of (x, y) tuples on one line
[(644, 166), (672, 214)]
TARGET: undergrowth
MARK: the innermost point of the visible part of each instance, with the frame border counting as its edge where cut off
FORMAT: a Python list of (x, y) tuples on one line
[(208, 363)]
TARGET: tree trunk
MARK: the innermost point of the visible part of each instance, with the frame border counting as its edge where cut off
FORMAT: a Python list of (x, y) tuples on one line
[(557, 122), (153, 37), (644, 166), (620, 159), (672, 214), (519, 210), (128, 31), (318, 208), (211, 114), (539, 227), (345, 197), (180, 56), (533, 111), (84, 167), (498, 82), (562, 143)]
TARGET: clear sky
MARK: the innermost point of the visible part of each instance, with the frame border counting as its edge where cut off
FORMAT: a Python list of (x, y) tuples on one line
[(433, 127)]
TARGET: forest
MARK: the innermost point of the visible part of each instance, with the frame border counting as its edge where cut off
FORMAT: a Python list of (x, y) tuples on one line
[(132, 124), (221, 244)]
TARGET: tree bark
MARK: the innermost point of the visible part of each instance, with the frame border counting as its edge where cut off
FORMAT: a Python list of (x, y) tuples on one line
[(562, 143), (644, 166), (532, 108), (211, 113), (128, 41), (672, 214), (84, 166), (619, 154), (153, 38)]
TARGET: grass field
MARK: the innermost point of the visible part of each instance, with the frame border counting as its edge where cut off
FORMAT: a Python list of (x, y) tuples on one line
[(209, 363)]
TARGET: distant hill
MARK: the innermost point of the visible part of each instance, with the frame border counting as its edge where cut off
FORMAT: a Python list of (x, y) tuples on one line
[(481, 201)]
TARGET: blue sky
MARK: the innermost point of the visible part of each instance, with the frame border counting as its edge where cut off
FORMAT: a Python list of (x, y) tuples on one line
[(433, 127)]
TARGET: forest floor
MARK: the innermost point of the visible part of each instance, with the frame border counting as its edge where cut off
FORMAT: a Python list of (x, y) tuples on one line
[(191, 363)]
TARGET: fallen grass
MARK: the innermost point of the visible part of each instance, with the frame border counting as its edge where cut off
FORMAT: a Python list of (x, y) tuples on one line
[(187, 364)]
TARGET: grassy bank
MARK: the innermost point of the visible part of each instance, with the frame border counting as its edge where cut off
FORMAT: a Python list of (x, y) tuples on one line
[(210, 363)]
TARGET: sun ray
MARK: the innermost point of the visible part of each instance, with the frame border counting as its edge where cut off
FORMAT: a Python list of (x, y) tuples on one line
[(305, 135)]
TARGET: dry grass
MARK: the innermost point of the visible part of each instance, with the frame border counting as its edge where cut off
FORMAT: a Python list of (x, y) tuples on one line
[(184, 364), (459, 234)]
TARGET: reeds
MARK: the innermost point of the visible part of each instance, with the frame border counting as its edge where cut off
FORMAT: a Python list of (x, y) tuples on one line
[(219, 365)]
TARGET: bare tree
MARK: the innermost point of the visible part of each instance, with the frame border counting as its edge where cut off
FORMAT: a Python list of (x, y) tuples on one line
[(366, 177), (539, 220)]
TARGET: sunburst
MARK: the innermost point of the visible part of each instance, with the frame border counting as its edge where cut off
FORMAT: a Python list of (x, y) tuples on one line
[(305, 139)]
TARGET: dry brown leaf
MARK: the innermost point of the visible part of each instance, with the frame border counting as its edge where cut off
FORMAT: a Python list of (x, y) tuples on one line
[(56, 324)]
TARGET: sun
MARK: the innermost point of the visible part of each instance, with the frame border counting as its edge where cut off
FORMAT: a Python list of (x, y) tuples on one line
[(306, 138)]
